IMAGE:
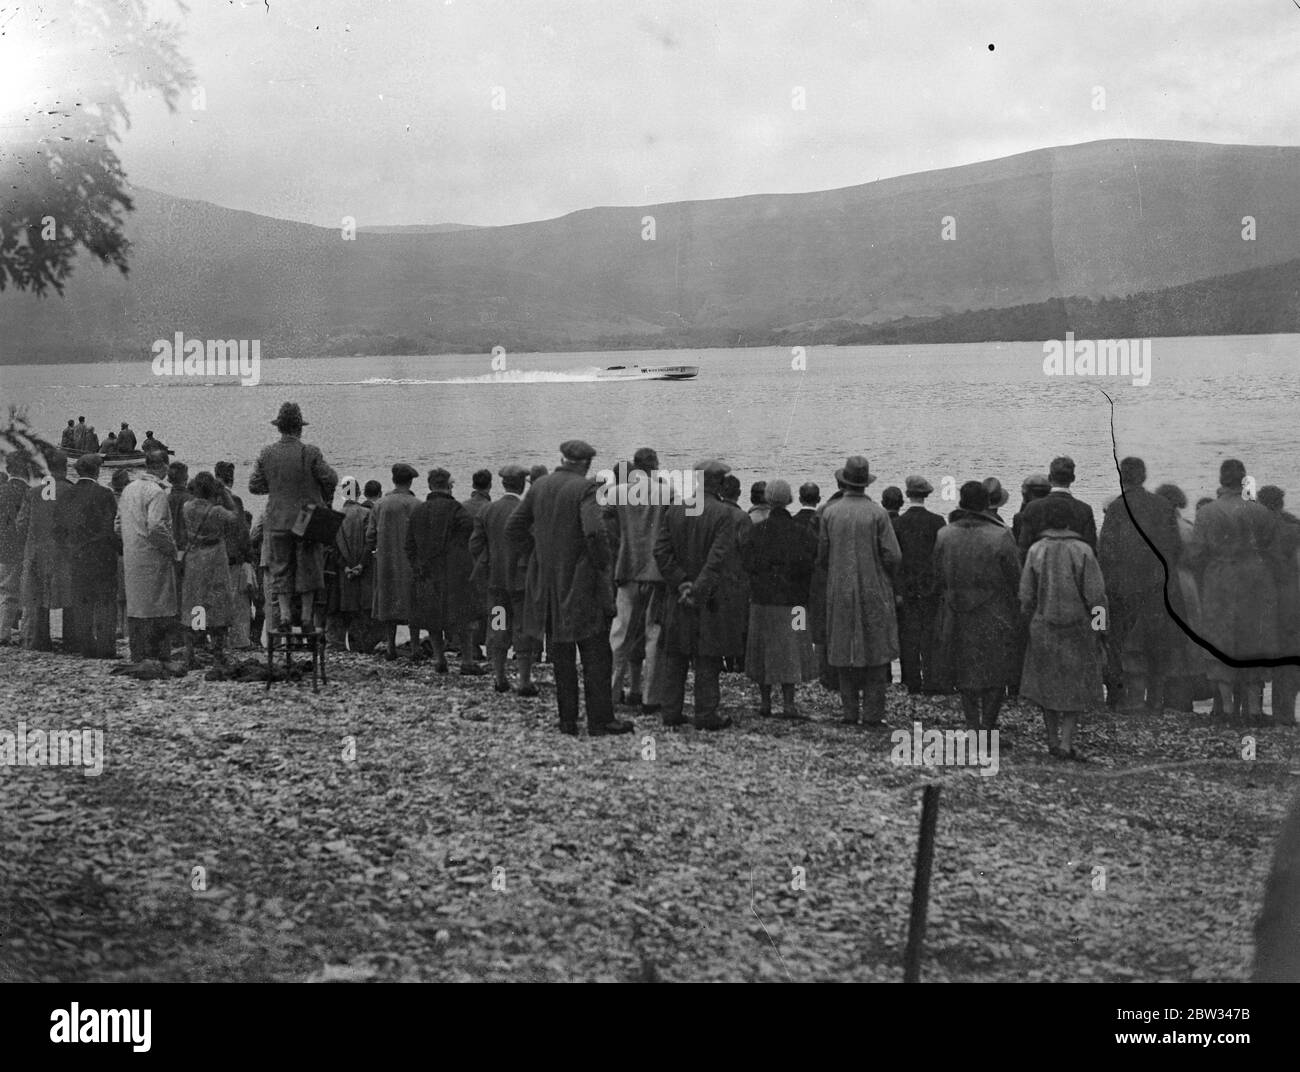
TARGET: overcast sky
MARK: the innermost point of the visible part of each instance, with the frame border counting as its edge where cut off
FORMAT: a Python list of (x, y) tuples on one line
[(383, 109)]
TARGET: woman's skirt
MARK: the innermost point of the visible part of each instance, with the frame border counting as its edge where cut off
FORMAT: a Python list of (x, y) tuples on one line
[(206, 584), (780, 647)]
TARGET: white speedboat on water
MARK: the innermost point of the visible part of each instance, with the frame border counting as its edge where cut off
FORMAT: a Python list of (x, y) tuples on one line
[(649, 372)]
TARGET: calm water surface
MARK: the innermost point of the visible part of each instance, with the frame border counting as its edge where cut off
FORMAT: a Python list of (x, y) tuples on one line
[(964, 411)]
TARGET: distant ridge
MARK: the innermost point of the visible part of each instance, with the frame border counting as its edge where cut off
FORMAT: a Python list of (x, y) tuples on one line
[(418, 228), (1100, 220)]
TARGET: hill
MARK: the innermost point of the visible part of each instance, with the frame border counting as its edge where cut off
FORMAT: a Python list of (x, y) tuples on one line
[(1094, 221)]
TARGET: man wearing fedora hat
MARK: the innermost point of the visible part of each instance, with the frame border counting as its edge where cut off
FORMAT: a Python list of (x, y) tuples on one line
[(861, 554), (569, 593), (918, 591), (292, 474), (998, 497)]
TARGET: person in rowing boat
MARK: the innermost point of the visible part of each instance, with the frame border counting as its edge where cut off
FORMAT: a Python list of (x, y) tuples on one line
[(126, 439), (69, 435), (150, 443)]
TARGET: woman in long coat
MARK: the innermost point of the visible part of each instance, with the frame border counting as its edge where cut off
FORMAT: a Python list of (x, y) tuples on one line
[(977, 567), (860, 551), (778, 555), (437, 546), (1064, 597), (386, 540), (209, 519)]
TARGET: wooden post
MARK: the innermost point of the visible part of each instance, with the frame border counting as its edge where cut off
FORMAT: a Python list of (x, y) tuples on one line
[(921, 885)]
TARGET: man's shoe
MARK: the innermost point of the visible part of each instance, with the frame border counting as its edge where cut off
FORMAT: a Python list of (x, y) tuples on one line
[(473, 670), (672, 721), (501, 686), (633, 699), (712, 722), (530, 690), (878, 724), (569, 729), (611, 728), (650, 708)]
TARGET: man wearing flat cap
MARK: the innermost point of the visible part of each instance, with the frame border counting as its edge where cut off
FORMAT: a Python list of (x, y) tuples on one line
[(445, 600), (569, 593), (918, 588), (1032, 520), (858, 547), (293, 474), (504, 572), (694, 548), (386, 539)]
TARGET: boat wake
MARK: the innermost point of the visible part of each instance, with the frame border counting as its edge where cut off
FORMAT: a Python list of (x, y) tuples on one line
[(585, 375)]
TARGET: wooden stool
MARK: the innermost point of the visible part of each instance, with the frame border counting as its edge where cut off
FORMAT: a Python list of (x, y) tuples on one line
[(313, 642)]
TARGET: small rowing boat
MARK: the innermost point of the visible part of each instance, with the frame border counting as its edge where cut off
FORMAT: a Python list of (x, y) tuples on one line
[(131, 460)]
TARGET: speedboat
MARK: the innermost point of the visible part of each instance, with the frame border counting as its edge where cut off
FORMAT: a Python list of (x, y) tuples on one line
[(650, 372)]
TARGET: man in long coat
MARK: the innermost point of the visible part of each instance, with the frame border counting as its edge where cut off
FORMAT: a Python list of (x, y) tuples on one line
[(505, 574), (569, 592), (1142, 635), (1234, 547), (293, 474), (917, 529), (90, 510), (1286, 679), (445, 600), (13, 493), (148, 561), (126, 439), (694, 551), (733, 589), (45, 562), (858, 547), (386, 539), (977, 574)]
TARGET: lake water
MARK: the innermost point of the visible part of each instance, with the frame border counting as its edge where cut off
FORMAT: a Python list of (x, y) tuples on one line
[(963, 411)]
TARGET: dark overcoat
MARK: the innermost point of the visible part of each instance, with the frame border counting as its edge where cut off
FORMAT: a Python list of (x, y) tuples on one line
[(501, 566), (700, 549), (437, 546), (386, 537), (89, 510), (569, 592), (977, 576)]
